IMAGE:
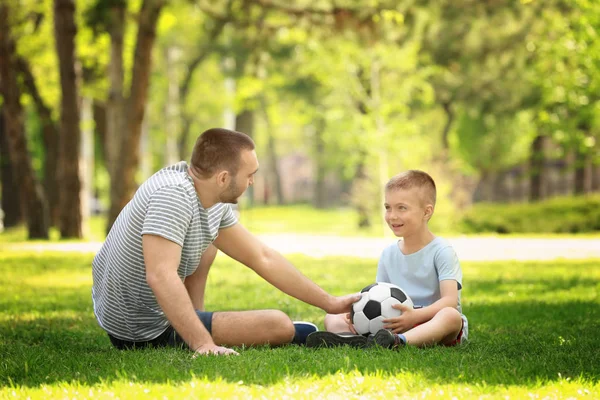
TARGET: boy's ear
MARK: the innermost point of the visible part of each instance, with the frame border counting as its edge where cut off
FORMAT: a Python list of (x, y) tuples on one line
[(428, 211)]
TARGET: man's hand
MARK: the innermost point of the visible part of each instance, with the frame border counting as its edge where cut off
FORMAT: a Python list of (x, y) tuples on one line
[(342, 304), (350, 325), (401, 324), (213, 349)]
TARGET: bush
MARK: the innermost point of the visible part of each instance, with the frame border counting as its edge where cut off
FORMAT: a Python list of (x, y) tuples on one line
[(557, 215)]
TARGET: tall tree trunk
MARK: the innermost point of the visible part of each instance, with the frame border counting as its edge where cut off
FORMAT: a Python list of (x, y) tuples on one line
[(30, 191), (70, 132), (122, 189), (115, 104), (50, 135), (320, 194), (11, 204), (172, 111), (447, 126), (100, 120), (272, 152), (244, 122), (580, 173), (536, 168), (595, 186)]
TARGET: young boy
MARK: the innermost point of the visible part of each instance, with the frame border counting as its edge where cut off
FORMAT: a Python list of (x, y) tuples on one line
[(424, 265)]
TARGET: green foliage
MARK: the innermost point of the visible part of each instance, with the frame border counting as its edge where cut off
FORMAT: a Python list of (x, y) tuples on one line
[(533, 330), (558, 215)]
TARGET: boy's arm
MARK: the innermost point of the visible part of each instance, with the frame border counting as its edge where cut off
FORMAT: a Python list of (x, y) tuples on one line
[(448, 298)]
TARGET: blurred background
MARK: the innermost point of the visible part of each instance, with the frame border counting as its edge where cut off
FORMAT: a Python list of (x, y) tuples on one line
[(498, 100)]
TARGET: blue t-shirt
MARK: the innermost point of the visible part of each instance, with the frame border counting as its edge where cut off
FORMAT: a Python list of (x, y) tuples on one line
[(420, 273)]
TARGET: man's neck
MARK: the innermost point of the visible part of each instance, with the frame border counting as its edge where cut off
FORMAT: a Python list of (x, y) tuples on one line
[(204, 191)]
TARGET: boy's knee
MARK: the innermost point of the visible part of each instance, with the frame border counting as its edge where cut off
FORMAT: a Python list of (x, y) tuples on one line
[(451, 316), (332, 322)]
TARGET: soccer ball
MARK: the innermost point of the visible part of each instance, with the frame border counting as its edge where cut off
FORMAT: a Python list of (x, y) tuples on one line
[(375, 305)]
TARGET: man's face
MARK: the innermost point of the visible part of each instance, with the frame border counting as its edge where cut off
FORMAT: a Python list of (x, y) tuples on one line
[(244, 178)]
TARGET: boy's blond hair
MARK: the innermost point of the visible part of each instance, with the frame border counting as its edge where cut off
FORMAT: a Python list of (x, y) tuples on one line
[(414, 178)]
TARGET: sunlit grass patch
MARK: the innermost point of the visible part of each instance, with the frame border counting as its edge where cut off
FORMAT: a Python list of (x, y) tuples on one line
[(540, 341)]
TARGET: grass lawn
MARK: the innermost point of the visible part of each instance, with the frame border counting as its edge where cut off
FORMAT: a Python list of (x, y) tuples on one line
[(534, 334)]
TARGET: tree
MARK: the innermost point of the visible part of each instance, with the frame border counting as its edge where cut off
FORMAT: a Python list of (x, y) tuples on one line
[(70, 134), (30, 191)]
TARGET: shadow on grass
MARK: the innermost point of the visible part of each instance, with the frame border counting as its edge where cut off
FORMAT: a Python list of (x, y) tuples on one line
[(522, 344)]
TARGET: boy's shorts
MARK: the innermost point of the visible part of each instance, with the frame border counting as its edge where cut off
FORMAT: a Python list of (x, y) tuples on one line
[(168, 338)]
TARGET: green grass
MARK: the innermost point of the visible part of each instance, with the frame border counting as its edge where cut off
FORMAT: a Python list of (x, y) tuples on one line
[(533, 328)]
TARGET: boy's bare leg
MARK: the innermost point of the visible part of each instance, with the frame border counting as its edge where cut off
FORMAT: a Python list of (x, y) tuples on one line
[(336, 323), (443, 328), (252, 328)]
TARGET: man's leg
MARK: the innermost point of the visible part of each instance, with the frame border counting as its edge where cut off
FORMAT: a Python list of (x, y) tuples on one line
[(252, 328)]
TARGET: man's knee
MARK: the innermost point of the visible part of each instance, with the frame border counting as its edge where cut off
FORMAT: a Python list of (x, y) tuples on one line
[(281, 327)]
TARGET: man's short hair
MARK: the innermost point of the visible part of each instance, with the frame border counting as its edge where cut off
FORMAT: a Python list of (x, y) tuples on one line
[(414, 178), (219, 149)]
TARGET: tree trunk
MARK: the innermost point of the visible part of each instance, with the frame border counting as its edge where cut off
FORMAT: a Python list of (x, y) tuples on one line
[(50, 138), (172, 111), (70, 133), (100, 121), (115, 104), (11, 204), (320, 195), (272, 152), (244, 122), (580, 173), (595, 186), (536, 168), (30, 191), (122, 189)]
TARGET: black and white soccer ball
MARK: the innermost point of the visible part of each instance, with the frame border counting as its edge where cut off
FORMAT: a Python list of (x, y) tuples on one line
[(375, 305)]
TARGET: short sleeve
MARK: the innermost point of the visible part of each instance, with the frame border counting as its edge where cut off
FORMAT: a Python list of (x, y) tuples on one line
[(382, 275), (168, 214), (228, 218), (448, 266)]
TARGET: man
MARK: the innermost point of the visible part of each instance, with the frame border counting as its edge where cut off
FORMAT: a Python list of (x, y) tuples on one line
[(150, 274)]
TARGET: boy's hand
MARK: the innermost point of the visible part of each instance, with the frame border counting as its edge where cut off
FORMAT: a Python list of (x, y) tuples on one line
[(401, 324)]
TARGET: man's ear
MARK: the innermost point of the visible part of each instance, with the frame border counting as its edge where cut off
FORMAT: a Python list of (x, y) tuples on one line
[(223, 178)]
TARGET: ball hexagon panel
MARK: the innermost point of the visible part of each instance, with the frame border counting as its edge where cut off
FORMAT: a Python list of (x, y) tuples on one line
[(387, 310), (379, 293), (361, 323), (376, 324), (372, 309)]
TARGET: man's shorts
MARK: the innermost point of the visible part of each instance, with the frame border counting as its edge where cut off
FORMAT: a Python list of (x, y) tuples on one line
[(168, 338)]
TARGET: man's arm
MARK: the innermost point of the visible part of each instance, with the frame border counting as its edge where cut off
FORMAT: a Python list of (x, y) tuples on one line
[(241, 245), (196, 283), (162, 257)]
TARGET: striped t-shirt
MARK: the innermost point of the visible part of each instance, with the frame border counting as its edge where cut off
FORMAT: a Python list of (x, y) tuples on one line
[(165, 205)]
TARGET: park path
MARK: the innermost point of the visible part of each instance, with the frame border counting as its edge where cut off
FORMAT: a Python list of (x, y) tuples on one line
[(468, 248)]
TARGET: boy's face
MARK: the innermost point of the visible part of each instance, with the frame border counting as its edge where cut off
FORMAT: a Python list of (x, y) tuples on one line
[(406, 211)]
